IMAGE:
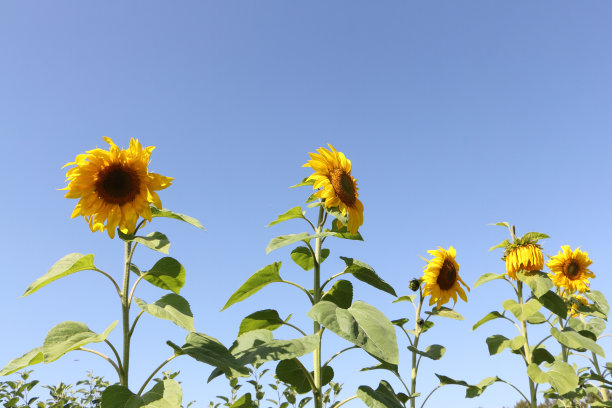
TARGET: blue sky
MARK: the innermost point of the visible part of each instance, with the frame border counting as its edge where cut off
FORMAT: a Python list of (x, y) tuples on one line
[(454, 115)]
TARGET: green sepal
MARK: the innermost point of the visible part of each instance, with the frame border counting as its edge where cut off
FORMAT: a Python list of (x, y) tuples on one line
[(291, 372), (155, 240), (561, 376), (303, 257), (488, 277), (258, 280), (170, 307), (28, 359), (68, 265), (434, 352), (366, 274), (295, 212), (445, 312), (575, 341), (167, 273), (382, 397), (155, 212), (361, 324), (522, 311), (263, 319), (68, 336), (341, 294)]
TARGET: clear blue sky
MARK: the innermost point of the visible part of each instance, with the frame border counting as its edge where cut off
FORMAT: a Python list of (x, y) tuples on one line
[(454, 115)]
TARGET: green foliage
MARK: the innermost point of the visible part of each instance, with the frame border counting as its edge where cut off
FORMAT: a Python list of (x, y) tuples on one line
[(292, 372), (561, 376), (366, 274), (170, 307), (258, 280), (341, 294), (68, 336), (264, 319), (67, 265), (167, 273), (382, 397), (303, 257), (434, 352), (155, 241), (170, 214), (295, 212)]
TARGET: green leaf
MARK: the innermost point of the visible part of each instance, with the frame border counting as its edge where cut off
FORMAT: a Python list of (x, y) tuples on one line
[(445, 312), (497, 343), (258, 280), (303, 257), (295, 212), (522, 312), (244, 402), (400, 322), (341, 294), (67, 265), (540, 355), (68, 336), (574, 340), (361, 324), (406, 298), (257, 346), (444, 380), (167, 273), (533, 237), (305, 182), (382, 397), (490, 316), (536, 318), (434, 352), (285, 240), (291, 372), (264, 319), (538, 282), (595, 326), (502, 224), (209, 350), (382, 365), (164, 394), (599, 301), (155, 241), (554, 303), (561, 376), (488, 277), (473, 391), (337, 214), (171, 307), (344, 233), (28, 359), (181, 217), (117, 396), (366, 274), (502, 244)]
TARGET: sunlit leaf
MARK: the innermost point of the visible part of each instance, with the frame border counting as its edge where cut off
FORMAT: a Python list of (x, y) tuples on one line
[(170, 214), (258, 280), (67, 265)]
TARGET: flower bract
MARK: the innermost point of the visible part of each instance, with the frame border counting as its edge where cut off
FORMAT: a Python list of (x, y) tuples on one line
[(570, 270), (441, 277), (114, 187), (526, 257), (337, 187)]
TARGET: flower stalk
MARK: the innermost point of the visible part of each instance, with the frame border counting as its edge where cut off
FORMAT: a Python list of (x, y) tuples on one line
[(316, 298)]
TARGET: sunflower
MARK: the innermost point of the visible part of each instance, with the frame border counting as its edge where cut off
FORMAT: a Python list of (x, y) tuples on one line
[(337, 187), (114, 187), (570, 270), (573, 302), (441, 278), (526, 257)]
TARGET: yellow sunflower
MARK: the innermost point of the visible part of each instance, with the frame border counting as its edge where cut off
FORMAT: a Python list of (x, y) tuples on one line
[(441, 278), (526, 257), (114, 187), (573, 301), (338, 188), (570, 270)]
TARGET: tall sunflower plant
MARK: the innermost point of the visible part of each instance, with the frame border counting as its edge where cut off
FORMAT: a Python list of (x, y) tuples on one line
[(118, 195), (557, 302), (338, 214)]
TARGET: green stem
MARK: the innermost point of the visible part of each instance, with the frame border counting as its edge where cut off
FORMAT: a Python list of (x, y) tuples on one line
[(527, 350), (125, 313), (155, 372), (318, 398), (415, 368), (345, 401), (602, 389)]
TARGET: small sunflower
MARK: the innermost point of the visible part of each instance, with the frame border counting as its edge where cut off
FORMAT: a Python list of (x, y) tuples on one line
[(570, 270), (526, 257), (114, 187), (441, 278), (573, 302), (338, 188)]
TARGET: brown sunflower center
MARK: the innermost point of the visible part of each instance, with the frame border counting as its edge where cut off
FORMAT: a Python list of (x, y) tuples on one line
[(343, 186), (572, 270), (117, 184), (447, 276)]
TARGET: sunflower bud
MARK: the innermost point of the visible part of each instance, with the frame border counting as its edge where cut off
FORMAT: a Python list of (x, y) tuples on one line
[(414, 285)]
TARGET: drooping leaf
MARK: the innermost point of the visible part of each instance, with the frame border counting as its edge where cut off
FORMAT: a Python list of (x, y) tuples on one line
[(502, 244), (595, 326), (522, 311), (382, 397), (554, 303), (258, 280), (445, 312), (303, 257), (382, 365), (28, 359), (209, 350), (291, 372), (540, 355), (400, 322), (168, 274), (599, 300), (561, 376), (574, 340), (170, 214), (536, 318), (497, 343), (538, 282), (473, 391), (490, 316), (406, 298), (295, 212), (68, 336), (69, 264), (366, 274), (285, 240), (341, 294), (155, 241), (263, 319), (361, 324), (171, 307), (434, 352), (444, 380), (343, 232), (488, 277), (273, 350)]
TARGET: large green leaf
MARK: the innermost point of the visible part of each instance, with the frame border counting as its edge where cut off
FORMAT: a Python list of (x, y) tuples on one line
[(209, 350), (68, 336), (365, 273), (576, 341), (382, 397), (473, 391), (263, 319), (256, 347), (561, 376), (170, 214), (554, 303), (155, 241), (488, 277), (258, 280), (341, 294), (497, 343), (445, 312), (67, 265), (595, 326), (522, 312), (164, 394), (117, 396), (490, 316), (30, 358), (540, 355), (167, 273), (295, 212), (434, 352), (599, 301), (303, 257), (361, 324), (291, 372), (171, 307), (538, 282), (246, 401), (285, 240)]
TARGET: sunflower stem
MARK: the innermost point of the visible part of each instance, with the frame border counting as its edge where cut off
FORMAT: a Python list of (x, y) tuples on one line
[(125, 312), (415, 366), (526, 348), (602, 389), (318, 399)]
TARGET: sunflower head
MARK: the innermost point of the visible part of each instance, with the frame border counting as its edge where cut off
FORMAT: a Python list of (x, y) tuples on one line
[(527, 257), (441, 277), (570, 270), (573, 301), (337, 188), (114, 187)]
